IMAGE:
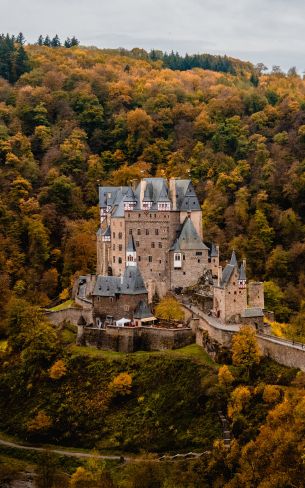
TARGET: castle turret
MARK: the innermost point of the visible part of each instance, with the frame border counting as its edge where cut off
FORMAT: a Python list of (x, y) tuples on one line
[(242, 279), (131, 253), (214, 259)]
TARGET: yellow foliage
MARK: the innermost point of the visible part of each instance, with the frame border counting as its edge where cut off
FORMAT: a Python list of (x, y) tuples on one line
[(245, 352), (279, 329), (239, 399), (225, 377), (81, 478), (64, 294), (40, 422), (57, 370), (169, 309), (122, 383), (271, 394)]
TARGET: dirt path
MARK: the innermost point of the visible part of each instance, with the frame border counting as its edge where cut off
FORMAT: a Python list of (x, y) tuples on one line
[(63, 453)]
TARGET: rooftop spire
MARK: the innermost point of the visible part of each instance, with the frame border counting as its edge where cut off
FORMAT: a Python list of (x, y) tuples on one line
[(233, 261)]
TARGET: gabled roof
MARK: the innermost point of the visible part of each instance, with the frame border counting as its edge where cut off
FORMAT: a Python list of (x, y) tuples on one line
[(186, 197), (111, 195), (188, 238), (142, 311), (131, 283)]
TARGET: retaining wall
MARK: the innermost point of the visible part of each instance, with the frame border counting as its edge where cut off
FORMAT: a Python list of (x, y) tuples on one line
[(285, 353), (72, 315), (130, 339)]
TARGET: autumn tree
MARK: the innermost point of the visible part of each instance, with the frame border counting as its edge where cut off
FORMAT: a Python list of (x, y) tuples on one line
[(169, 309), (245, 351)]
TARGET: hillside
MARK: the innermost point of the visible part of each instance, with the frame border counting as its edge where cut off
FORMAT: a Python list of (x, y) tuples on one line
[(82, 116)]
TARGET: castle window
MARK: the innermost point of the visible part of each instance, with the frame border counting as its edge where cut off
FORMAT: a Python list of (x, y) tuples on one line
[(120, 247), (235, 293), (183, 257), (156, 232), (113, 247), (150, 259), (198, 253), (153, 245), (198, 260), (114, 259), (160, 245), (139, 232), (120, 235), (130, 232), (139, 258), (113, 235), (139, 215), (137, 243), (120, 260), (147, 232), (126, 308), (111, 299)]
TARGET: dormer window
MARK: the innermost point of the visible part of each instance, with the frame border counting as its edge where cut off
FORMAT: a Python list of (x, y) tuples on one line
[(177, 260)]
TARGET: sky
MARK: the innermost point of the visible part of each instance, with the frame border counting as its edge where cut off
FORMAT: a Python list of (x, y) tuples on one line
[(268, 31)]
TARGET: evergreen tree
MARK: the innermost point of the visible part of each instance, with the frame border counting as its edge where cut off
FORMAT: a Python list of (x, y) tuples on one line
[(55, 41), (67, 42), (74, 41), (47, 41), (40, 40), (20, 39)]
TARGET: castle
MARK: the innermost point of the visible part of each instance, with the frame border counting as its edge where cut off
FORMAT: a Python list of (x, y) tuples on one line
[(150, 242)]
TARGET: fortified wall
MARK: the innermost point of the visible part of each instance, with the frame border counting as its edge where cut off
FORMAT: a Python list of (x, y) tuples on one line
[(215, 337), (131, 339)]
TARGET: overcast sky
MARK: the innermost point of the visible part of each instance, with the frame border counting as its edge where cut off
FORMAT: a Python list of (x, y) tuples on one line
[(270, 31)]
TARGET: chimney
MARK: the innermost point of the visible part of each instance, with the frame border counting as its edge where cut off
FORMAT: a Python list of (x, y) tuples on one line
[(142, 190), (134, 184), (219, 277), (217, 250), (172, 192), (244, 263)]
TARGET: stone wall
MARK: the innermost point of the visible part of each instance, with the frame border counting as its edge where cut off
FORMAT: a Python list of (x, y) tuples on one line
[(193, 265), (72, 315), (284, 352), (215, 336), (130, 339), (117, 307)]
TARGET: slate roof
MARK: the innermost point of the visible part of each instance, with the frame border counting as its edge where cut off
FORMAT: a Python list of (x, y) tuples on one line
[(109, 195), (130, 284), (252, 312), (242, 273), (188, 238), (142, 311), (185, 196), (233, 261), (156, 190), (226, 274), (213, 253), (131, 245)]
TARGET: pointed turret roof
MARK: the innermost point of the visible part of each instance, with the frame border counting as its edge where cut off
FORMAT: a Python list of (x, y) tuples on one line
[(214, 252), (233, 261), (131, 245), (188, 238), (242, 273)]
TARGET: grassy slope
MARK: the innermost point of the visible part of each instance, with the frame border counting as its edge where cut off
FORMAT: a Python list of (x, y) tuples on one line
[(170, 407)]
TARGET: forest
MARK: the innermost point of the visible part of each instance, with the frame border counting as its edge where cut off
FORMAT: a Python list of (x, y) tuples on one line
[(72, 118), (79, 117)]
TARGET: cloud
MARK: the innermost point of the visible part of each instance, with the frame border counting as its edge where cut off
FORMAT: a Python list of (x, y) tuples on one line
[(271, 31)]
